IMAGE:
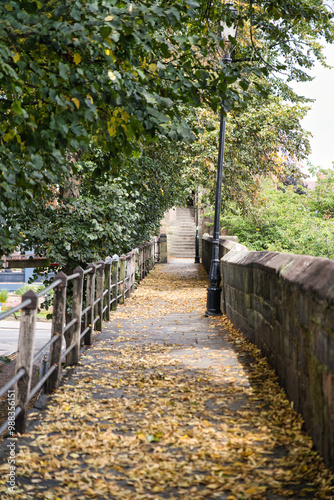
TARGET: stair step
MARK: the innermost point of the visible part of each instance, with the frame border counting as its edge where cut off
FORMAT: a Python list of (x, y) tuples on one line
[(182, 247), (182, 241), (181, 233), (182, 238)]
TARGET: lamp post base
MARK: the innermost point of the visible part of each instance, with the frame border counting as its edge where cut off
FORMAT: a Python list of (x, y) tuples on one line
[(197, 260), (213, 301)]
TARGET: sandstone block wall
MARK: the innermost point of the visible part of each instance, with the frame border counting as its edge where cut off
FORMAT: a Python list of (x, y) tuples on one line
[(284, 303), (226, 243)]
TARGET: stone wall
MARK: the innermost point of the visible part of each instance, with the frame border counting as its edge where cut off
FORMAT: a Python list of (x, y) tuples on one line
[(284, 304), (226, 243)]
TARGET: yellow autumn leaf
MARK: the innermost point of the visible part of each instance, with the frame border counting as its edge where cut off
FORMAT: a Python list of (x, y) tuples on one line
[(16, 56), (125, 116), (77, 58), (153, 68), (76, 102), (112, 129), (109, 18), (111, 75), (255, 490), (9, 136), (110, 53)]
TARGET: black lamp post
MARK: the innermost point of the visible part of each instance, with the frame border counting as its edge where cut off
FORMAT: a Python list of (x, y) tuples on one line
[(197, 258), (214, 290)]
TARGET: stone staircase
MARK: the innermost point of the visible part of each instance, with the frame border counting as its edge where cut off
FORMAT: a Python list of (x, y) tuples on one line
[(181, 234)]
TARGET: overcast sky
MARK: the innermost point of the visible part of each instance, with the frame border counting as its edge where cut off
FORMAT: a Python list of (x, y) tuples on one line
[(320, 119)]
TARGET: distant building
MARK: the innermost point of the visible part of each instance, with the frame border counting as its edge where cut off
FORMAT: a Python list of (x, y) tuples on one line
[(12, 278), (310, 184)]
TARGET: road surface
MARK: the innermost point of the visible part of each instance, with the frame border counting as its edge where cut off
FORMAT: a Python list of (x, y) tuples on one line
[(9, 334)]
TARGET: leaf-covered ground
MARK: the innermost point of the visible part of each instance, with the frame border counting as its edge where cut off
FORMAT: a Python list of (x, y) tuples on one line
[(169, 404)]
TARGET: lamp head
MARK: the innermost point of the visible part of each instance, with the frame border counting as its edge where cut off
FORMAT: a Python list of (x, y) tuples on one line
[(228, 29)]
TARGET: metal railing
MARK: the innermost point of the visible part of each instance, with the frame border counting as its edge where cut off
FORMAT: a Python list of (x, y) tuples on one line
[(95, 293)]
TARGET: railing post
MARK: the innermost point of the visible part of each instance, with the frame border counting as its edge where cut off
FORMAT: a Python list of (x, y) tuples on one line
[(133, 267), (25, 358), (99, 293), (149, 256), (122, 263), (128, 274), (150, 262), (158, 250), (114, 292), (155, 239), (137, 264), (144, 260), (90, 297), (140, 262), (163, 248), (73, 334), (147, 259), (57, 328), (152, 243), (107, 286)]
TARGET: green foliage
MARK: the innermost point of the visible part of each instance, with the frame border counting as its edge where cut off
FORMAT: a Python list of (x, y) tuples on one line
[(25, 288), (262, 140), (283, 222), (116, 72), (4, 295), (322, 198), (109, 214)]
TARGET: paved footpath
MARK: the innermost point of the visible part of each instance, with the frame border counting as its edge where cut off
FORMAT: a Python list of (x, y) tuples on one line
[(167, 404)]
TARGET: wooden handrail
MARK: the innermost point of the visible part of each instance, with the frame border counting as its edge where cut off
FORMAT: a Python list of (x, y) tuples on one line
[(102, 286)]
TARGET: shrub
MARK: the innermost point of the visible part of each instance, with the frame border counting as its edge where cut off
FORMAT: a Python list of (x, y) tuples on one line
[(283, 222), (4, 295), (25, 288)]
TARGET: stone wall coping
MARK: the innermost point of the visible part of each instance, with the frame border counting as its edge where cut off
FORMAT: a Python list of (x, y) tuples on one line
[(314, 274), (311, 274), (207, 237), (254, 259), (238, 254)]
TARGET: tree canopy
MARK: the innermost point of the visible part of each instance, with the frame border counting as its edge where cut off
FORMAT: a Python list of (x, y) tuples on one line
[(117, 74), (86, 221), (264, 139)]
